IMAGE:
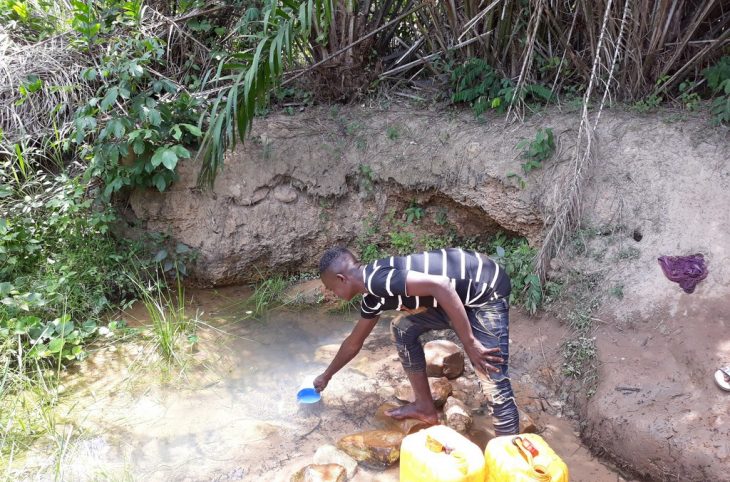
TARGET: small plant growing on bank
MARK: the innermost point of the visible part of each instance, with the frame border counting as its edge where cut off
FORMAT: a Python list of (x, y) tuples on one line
[(617, 291), (442, 217), (689, 99), (652, 101), (537, 150), (516, 256), (345, 307), (392, 132), (402, 242), (366, 178), (414, 212), (718, 79), (476, 83)]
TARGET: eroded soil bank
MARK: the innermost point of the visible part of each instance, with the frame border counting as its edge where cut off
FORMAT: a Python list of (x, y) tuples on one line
[(659, 185)]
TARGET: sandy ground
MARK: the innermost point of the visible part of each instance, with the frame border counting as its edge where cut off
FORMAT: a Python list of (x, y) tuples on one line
[(659, 188)]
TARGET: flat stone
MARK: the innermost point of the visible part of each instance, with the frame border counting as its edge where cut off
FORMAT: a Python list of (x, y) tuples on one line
[(310, 292), (376, 449), (440, 391), (320, 473), (443, 359), (457, 415), (329, 454), (407, 426), (285, 193), (527, 424)]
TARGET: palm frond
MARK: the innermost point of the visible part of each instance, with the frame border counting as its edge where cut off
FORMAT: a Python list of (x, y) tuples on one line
[(249, 77)]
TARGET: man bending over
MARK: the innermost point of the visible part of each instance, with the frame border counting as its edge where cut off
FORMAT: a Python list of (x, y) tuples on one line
[(446, 288)]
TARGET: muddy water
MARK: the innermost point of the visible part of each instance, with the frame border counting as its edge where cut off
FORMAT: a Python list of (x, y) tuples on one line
[(231, 412)]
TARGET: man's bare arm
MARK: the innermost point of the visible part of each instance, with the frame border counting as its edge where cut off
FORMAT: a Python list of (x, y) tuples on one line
[(420, 284), (348, 350)]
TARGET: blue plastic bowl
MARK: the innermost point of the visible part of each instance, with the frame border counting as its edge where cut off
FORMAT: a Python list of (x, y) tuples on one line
[(308, 395)]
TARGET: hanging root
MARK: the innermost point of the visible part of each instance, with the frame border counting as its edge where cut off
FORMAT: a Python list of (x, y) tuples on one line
[(567, 215)]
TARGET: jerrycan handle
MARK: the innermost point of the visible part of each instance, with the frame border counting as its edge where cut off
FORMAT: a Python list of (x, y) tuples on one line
[(459, 459), (529, 452)]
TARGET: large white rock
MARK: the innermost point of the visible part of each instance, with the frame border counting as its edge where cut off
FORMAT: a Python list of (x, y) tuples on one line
[(329, 454)]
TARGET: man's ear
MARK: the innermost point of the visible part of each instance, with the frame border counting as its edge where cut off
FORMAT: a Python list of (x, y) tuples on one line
[(341, 277)]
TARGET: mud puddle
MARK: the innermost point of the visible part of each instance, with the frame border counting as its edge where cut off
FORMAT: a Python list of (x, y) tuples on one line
[(231, 412)]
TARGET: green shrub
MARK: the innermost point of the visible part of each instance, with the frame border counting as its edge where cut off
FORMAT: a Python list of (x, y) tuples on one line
[(137, 127), (414, 212), (538, 150), (30, 21), (718, 79), (61, 268), (516, 256), (476, 83), (402, 242)]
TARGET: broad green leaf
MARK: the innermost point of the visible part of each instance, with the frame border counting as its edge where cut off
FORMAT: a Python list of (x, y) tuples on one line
[(181, 152), (109, 98), (56, 345), (161, 254), (64, 327), (117, 127), (138, 147), (135, 70), (166, 156), (176, 132), (159, 182), (5, 288), (89, 74), (193, 130), (88, 326), (154, 117)]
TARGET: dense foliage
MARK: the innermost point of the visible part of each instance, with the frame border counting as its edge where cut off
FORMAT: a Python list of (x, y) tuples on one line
[(99, 97)]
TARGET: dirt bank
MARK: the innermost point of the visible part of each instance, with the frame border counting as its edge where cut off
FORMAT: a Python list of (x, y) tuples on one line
[(660, 185)]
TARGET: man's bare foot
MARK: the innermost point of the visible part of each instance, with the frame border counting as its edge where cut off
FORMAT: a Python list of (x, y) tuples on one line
[(413, 410)]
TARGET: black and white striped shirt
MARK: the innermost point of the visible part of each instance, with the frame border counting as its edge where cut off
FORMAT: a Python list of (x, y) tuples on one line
[(476, 278)]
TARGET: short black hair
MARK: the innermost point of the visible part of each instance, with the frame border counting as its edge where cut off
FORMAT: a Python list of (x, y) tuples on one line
[(331, 256)]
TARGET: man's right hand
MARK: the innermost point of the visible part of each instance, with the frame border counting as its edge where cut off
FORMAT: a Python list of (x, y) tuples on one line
[(320, 383)]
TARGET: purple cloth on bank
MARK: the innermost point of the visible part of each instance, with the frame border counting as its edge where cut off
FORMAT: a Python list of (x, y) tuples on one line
[(685, 270)]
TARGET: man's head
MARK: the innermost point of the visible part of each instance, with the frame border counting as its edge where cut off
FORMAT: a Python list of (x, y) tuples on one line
[(340, 273)]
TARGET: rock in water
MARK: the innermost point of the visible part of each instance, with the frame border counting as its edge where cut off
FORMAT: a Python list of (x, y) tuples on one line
[(440, 391), (376, 449), (329, 454), (457, 415), (320, 473), (407, 426), (443, 359), (468, 390)]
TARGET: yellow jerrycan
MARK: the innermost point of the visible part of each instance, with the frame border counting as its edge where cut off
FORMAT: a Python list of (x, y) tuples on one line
[(440, 454), (523, 458)]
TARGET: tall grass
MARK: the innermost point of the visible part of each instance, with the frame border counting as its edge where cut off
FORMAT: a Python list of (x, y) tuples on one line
[(267, 295), (28, 403), (172, 330)]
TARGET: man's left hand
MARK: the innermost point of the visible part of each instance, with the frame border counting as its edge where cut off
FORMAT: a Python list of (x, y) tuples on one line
[(481, 357)]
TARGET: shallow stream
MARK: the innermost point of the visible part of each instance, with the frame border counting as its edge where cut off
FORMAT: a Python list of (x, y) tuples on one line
[(231, 413)]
